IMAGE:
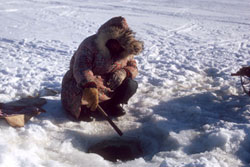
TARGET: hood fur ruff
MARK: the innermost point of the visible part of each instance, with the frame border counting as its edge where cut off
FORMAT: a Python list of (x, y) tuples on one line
[(118, 30)]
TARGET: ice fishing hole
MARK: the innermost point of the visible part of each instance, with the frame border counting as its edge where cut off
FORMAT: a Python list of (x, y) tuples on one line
[(118, 149)]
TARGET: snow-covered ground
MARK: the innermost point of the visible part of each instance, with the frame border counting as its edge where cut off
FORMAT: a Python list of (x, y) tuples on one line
[(188, 110)]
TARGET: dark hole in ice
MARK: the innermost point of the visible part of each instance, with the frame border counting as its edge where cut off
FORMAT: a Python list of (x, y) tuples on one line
[(117, 149)]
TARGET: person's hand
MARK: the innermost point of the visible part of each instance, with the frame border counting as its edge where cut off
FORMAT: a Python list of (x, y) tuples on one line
[(117, 78), (91, 96), (100, 84)]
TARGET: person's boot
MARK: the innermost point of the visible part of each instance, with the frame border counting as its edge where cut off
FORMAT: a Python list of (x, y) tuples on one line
[(113, 110), (85, 115), (116, 111)]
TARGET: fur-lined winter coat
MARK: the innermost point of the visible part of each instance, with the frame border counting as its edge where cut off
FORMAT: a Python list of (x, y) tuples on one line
[(92, 62)]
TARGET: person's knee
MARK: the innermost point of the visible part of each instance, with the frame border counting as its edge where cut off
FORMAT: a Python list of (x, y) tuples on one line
[(125, 91), (131, 85)]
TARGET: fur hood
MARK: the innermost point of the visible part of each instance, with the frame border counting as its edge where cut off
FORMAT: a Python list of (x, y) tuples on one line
[(117, 28)]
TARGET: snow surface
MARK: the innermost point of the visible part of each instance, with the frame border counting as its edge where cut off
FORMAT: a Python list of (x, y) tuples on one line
[(188, 110)]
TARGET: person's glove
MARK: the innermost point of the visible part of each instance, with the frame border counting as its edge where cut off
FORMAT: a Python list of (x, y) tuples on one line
[(91, 96), (117, 78)]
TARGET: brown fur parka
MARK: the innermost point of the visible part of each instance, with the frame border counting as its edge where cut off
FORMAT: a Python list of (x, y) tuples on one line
[(92, 62)]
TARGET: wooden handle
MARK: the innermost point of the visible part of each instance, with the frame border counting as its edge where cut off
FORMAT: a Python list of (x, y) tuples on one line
[(109, 120)]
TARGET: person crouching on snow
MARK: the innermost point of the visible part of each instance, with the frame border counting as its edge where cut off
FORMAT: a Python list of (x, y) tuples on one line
[(102, 71)]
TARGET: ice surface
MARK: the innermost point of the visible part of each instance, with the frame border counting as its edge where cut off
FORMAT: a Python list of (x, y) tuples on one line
[(188, 110)]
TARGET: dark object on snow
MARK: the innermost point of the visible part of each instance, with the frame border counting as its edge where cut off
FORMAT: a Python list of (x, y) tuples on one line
[(116, 149), (244, 74), (244, 71), (105, 115), (17, 113)]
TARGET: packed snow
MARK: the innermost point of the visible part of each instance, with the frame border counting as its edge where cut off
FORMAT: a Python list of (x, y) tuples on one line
[(188, 110)]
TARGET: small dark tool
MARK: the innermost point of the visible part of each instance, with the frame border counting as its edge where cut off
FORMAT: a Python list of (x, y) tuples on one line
[(244, 74), (99, 108)]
